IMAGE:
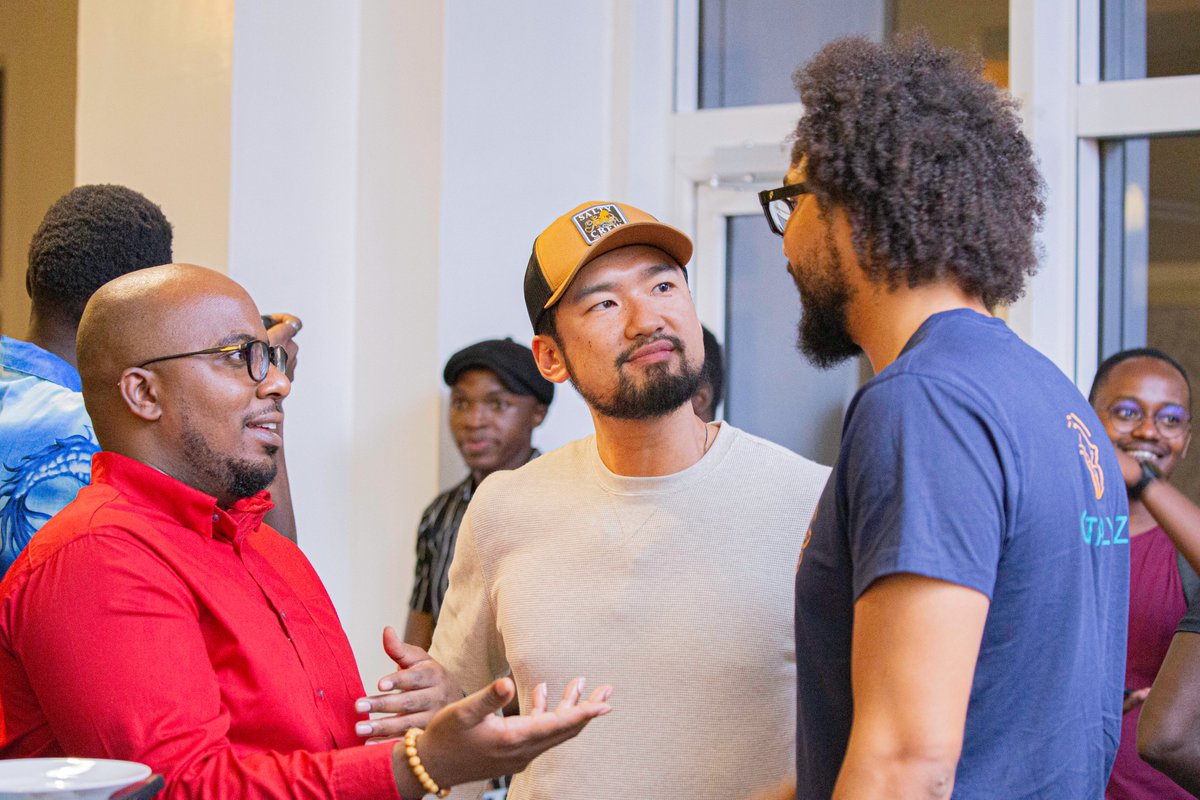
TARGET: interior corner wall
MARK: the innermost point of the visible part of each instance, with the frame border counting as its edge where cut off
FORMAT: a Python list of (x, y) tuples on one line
[(37, 135), (292, 239), (336, 170), (396, 367), (153, 112)]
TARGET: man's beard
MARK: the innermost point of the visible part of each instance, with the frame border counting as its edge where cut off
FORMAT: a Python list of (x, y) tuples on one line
[(824, 329), (661, 391), (225, 475)]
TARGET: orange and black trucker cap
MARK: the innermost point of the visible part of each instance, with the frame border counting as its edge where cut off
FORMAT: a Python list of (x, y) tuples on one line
[(584, 233)]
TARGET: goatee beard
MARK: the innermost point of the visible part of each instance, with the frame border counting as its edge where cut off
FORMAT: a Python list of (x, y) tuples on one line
[(661, 392)]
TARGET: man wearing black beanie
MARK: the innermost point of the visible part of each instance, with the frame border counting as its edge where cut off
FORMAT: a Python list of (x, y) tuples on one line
[(497, 398)]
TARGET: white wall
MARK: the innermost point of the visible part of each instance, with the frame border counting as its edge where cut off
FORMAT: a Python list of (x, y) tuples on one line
[(153, 112), (335, 131), (1043, 78), (293, 196)]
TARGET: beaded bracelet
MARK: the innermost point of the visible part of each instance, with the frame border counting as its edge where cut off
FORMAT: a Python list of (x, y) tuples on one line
[(418, 769)]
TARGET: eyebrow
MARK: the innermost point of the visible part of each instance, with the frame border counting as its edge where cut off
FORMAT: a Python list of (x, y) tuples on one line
[(1137, 402), (234, 338), (647, 272)]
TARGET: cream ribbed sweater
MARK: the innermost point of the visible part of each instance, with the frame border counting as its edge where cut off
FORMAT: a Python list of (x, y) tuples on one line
[(676, 590)]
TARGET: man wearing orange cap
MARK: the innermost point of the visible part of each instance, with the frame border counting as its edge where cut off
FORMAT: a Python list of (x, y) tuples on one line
[(672, 542)]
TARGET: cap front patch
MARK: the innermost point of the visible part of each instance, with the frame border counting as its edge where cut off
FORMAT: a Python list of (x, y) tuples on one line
[(595, 221)]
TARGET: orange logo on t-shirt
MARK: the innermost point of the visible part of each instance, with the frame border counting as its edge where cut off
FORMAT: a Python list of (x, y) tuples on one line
[(1089, 452), (807, 537)]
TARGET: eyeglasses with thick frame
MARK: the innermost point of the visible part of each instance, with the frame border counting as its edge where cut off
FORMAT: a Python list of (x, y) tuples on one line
[(1127, 416), (258, 355), (778, 204)]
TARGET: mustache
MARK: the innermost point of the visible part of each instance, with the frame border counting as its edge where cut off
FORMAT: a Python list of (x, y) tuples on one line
[(276, 405), (675, 341)]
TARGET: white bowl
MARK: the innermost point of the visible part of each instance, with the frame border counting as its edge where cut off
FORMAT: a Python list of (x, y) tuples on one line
[(61, 778)]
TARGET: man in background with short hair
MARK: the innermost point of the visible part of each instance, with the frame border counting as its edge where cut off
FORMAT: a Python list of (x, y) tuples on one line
[(497, 398), (91, 235), (708, 397)]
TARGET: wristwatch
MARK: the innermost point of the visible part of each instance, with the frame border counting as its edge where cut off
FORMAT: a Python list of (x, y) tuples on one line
[(1149, 473)]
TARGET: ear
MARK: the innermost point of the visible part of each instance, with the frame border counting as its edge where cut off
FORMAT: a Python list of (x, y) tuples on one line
[(539, 414), (702, 401), (139, 389), (549, 358)]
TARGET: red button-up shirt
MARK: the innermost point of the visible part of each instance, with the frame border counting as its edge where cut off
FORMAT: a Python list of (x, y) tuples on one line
[(145, 623)]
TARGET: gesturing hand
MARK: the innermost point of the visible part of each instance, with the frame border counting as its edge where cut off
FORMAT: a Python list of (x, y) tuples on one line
[(414, 693), (468, 741)]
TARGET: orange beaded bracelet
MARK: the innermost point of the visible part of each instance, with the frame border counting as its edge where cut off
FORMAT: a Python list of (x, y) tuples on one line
[(414, 762)]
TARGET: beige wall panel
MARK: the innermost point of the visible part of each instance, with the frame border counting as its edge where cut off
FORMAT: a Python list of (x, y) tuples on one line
[(154, 111), (37, 143)]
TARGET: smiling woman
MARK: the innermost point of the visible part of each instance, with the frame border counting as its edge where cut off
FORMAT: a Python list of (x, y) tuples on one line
[(1143, 397)]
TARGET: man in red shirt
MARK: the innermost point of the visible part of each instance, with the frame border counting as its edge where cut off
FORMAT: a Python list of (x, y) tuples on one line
[(157, 619)]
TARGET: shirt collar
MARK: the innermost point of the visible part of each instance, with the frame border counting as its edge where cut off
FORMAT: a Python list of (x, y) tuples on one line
[(27, 357), (468, 486), (189, 507)]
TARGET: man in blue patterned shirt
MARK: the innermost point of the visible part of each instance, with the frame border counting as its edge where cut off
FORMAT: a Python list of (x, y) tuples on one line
[(88, 237)]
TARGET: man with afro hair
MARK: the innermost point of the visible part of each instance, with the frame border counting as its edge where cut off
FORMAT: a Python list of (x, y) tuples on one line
[(90, 236), (961, 594)]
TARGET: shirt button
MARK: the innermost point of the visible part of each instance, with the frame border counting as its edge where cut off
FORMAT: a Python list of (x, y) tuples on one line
[(283, 615), (321, 693), (216, 517)]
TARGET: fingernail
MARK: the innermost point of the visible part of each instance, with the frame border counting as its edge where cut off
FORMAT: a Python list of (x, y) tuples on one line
[(607, 693), (385, 686), (362, 706), (541, 687), (582, 682), (363, 729)]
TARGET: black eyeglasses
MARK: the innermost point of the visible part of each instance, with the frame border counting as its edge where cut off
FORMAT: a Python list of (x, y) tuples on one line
[(257, 355), (1127, 416), (778, 204)]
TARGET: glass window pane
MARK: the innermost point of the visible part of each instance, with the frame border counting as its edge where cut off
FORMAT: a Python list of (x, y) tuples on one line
[(749, 48), (977, 27), (1151, 38), (1151, 286), (1172, 38)]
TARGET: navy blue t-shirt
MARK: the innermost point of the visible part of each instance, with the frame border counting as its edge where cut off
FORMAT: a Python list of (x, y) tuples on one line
[(972, 459)]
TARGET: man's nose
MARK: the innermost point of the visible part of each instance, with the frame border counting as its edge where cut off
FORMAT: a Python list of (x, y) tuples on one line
[(275, 384), (1147, 428), (642, 319), (477, 415)]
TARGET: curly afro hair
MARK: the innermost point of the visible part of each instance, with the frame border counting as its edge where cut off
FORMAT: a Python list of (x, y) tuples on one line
[(928, 161), (91, 235)]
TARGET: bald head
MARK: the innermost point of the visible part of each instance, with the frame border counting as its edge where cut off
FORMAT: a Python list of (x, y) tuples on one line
[(146, 314), (178, 413)]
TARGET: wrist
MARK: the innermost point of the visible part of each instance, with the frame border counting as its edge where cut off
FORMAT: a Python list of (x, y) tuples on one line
[(406, 782), (1150, 474), (418, 767)]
